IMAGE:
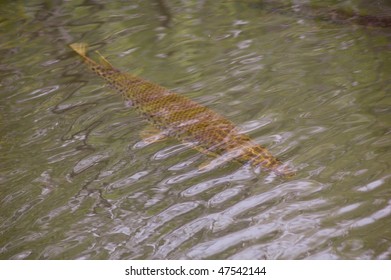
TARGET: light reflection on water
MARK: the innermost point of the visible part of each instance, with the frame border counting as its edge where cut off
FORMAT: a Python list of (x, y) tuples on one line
[(78, 182)]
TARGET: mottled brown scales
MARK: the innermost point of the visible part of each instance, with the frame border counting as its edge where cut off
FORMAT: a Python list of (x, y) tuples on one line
[(184, 119)]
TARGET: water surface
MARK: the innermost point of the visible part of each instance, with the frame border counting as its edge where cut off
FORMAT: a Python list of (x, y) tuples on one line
[(77, 181)]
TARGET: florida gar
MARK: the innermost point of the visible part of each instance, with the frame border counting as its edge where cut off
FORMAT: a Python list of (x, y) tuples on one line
[(184, 119)]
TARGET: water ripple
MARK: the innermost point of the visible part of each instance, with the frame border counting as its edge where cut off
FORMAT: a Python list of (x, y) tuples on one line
[(162, 218), (208, 249), (78, 182)]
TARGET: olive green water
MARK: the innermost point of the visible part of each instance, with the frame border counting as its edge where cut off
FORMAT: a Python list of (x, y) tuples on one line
[(78, 182)]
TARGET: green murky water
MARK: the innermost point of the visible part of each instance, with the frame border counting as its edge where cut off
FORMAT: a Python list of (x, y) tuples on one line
[(76, 181)]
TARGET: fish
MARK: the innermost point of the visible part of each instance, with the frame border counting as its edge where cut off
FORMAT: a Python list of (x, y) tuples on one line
[(324, 13), (179, 117)]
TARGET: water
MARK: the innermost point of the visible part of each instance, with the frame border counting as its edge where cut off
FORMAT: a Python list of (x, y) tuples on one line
[(77, 181)]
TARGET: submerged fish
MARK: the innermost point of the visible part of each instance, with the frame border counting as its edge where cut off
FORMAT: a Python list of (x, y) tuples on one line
[(324, 13), (182, 118)]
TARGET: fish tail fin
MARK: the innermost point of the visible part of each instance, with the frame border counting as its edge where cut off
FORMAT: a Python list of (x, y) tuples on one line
[(103, 61), (79, 48)]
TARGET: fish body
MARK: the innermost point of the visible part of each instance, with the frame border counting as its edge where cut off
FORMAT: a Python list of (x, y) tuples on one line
[(184, 119)]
